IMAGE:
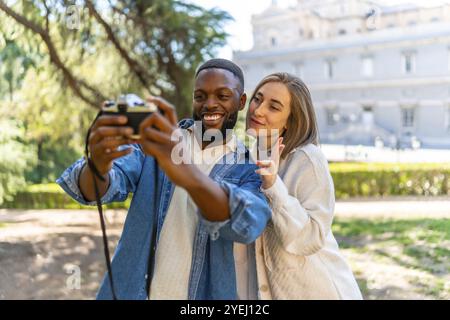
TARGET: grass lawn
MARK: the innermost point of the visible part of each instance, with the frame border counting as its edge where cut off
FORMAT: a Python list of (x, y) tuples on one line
[(405, 255)]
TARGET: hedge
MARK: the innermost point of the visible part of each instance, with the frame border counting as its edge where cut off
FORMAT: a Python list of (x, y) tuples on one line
[(381, 179), (350, 180), (51, 196)]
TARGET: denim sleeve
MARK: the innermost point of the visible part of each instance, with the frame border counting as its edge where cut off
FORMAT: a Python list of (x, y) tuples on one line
[(123, 178), (249, 210)]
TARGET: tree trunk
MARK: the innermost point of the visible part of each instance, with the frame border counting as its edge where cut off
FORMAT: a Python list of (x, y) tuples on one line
[(11, 89)]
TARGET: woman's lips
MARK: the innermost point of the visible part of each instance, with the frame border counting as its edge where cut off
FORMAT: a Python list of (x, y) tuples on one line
[(255, 122)]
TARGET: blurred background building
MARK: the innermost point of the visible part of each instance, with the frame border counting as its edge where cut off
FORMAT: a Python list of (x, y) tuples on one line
[(379, 75)]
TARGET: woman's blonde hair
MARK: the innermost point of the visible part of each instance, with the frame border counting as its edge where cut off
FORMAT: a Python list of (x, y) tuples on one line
[(301, 125)]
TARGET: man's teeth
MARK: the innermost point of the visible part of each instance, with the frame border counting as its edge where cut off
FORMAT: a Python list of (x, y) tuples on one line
[(212, 117)]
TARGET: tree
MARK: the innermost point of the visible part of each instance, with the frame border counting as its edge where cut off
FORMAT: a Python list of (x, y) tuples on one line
[(16, 157), (84, 54), (13, 65), (160, 41)]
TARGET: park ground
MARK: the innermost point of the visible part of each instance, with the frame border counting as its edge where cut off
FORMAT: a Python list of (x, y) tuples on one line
[(398, 249)]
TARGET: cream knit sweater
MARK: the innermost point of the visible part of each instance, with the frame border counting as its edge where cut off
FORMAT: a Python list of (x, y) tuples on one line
[(297, 255)]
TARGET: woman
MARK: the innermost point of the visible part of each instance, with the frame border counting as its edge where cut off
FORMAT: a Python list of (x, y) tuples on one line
[(297, 255)]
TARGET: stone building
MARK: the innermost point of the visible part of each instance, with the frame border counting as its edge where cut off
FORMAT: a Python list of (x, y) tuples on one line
[(378, 75)]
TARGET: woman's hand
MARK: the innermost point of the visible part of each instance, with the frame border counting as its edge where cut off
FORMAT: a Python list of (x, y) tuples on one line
[(268, 169)]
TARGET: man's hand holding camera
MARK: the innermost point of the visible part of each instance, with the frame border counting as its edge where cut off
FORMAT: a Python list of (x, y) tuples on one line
[(107, 134), (156, 133), (155, 136)]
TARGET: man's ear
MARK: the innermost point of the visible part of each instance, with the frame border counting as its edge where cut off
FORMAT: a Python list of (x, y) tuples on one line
[(242, 101)]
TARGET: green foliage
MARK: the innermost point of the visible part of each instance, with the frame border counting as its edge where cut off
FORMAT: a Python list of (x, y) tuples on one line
[(420, 239), (161, 44), (51, 196), (351, 180), (379, 179), (57, 135), (168, 38), (419, 244), (14, 62), (15, 158), (240, 127)]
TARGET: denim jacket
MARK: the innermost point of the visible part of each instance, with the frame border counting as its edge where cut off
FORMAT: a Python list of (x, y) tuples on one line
[(212, 273)]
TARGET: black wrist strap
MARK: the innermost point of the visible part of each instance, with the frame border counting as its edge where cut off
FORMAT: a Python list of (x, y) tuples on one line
[(152, 256), (153, 236), (103, 226), (95, 173)]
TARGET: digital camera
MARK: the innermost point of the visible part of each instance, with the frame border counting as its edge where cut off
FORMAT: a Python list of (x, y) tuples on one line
[(131, 106)]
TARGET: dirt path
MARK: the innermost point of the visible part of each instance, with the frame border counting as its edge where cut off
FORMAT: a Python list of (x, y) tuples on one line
[(384, 272), (400, 208), (41, 251)]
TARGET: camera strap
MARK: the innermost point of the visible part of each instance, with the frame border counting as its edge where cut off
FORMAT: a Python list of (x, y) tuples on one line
[(153, 240), (96, 173), (153, 236)]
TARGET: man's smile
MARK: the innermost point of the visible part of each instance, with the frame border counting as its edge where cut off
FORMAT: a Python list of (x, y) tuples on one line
[(212, 119)]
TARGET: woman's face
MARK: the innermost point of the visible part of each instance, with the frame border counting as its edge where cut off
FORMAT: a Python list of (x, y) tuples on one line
[(269, 109)]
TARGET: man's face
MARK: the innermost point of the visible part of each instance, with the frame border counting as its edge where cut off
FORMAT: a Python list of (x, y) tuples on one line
[(217, 99)]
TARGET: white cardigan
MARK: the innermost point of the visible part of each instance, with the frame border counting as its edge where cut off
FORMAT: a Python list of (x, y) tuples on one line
[(297, 256)]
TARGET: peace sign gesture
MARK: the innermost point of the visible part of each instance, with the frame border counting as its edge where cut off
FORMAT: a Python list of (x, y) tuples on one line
[(268, 169)]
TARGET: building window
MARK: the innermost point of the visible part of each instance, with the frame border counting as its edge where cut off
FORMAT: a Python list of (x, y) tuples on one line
[(409, 62), (342, 32), (273, 41), (332, 116), (367, 109), (412, 23), (367, 66), (329, 69), (408, 117), (367, 116), (390, 25), (300, 32)]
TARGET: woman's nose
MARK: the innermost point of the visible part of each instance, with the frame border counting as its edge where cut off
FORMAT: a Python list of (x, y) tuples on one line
[(259, 111)]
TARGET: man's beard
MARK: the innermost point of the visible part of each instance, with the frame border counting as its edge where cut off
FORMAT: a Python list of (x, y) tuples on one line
[(228, 123)]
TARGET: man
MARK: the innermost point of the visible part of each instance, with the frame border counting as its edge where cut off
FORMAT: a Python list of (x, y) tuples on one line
[(200, 210)]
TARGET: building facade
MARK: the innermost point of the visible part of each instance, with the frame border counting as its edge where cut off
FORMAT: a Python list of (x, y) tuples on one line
[(378, 75)]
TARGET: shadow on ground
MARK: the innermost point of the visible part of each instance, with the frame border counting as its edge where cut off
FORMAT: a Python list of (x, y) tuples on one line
[(418, 250), (49, 268)]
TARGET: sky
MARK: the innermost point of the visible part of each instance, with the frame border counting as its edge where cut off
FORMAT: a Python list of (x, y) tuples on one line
[(240, 29)]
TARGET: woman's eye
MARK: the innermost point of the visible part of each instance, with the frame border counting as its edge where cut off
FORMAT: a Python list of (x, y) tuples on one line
[(198, 98), (274, 108), (223, 97), (256, 99)]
